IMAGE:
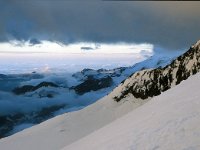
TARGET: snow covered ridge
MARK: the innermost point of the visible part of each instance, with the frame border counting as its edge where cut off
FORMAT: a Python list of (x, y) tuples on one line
[(197, 45), (151, 82), (93, 80), (169, 121)]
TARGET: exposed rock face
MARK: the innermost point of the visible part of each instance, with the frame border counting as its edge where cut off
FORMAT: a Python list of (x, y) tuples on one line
[(8, 122), (30, 88), (93, 84), (116, 75), (2, 76), (98, 74), (151, 82)]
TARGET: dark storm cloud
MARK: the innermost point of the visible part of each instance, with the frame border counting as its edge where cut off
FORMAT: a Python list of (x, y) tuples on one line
[(167, 24), (87, 48)]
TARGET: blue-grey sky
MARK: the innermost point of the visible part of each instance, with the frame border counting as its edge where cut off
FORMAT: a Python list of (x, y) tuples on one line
[(171, 25)]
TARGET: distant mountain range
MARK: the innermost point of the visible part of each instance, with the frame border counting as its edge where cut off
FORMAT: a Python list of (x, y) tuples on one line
[(87, 86)]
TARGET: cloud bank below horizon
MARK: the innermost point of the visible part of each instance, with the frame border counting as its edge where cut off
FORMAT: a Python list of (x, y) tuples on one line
[(51, 57)]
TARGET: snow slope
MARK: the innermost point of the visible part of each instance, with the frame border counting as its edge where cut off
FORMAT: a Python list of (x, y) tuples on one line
[(65, 129), (169, 121)]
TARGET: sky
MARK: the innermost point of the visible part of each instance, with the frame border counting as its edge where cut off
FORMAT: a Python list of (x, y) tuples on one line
[(44, 34), (170, 25)]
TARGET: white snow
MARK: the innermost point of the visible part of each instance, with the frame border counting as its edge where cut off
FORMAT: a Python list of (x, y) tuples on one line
[(64, 129), (196, 45), (168, 121)]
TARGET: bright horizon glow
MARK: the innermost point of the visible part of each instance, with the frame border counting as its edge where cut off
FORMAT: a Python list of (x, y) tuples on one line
[(52, 47), (53, 57)]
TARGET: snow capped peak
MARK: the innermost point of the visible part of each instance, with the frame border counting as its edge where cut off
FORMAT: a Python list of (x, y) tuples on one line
[(196, 45), (149, 83), (158, 124)]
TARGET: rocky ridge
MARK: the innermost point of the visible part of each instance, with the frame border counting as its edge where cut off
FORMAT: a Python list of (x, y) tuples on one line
[(151, 82)]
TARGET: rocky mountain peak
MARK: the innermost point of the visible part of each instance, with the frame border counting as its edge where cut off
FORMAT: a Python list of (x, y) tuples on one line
[(197, 45), (151, 82)]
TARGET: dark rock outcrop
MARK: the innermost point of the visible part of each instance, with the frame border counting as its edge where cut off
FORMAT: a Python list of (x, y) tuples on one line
[(149, 83), (2, 76), (92, 84), (8, 122), (30, 88)]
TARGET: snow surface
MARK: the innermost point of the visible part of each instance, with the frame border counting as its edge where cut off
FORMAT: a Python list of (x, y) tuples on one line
[(56, 133), (168, 121)]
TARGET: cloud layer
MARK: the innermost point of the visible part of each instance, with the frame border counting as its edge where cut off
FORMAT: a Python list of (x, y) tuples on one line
[(171, 25)]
